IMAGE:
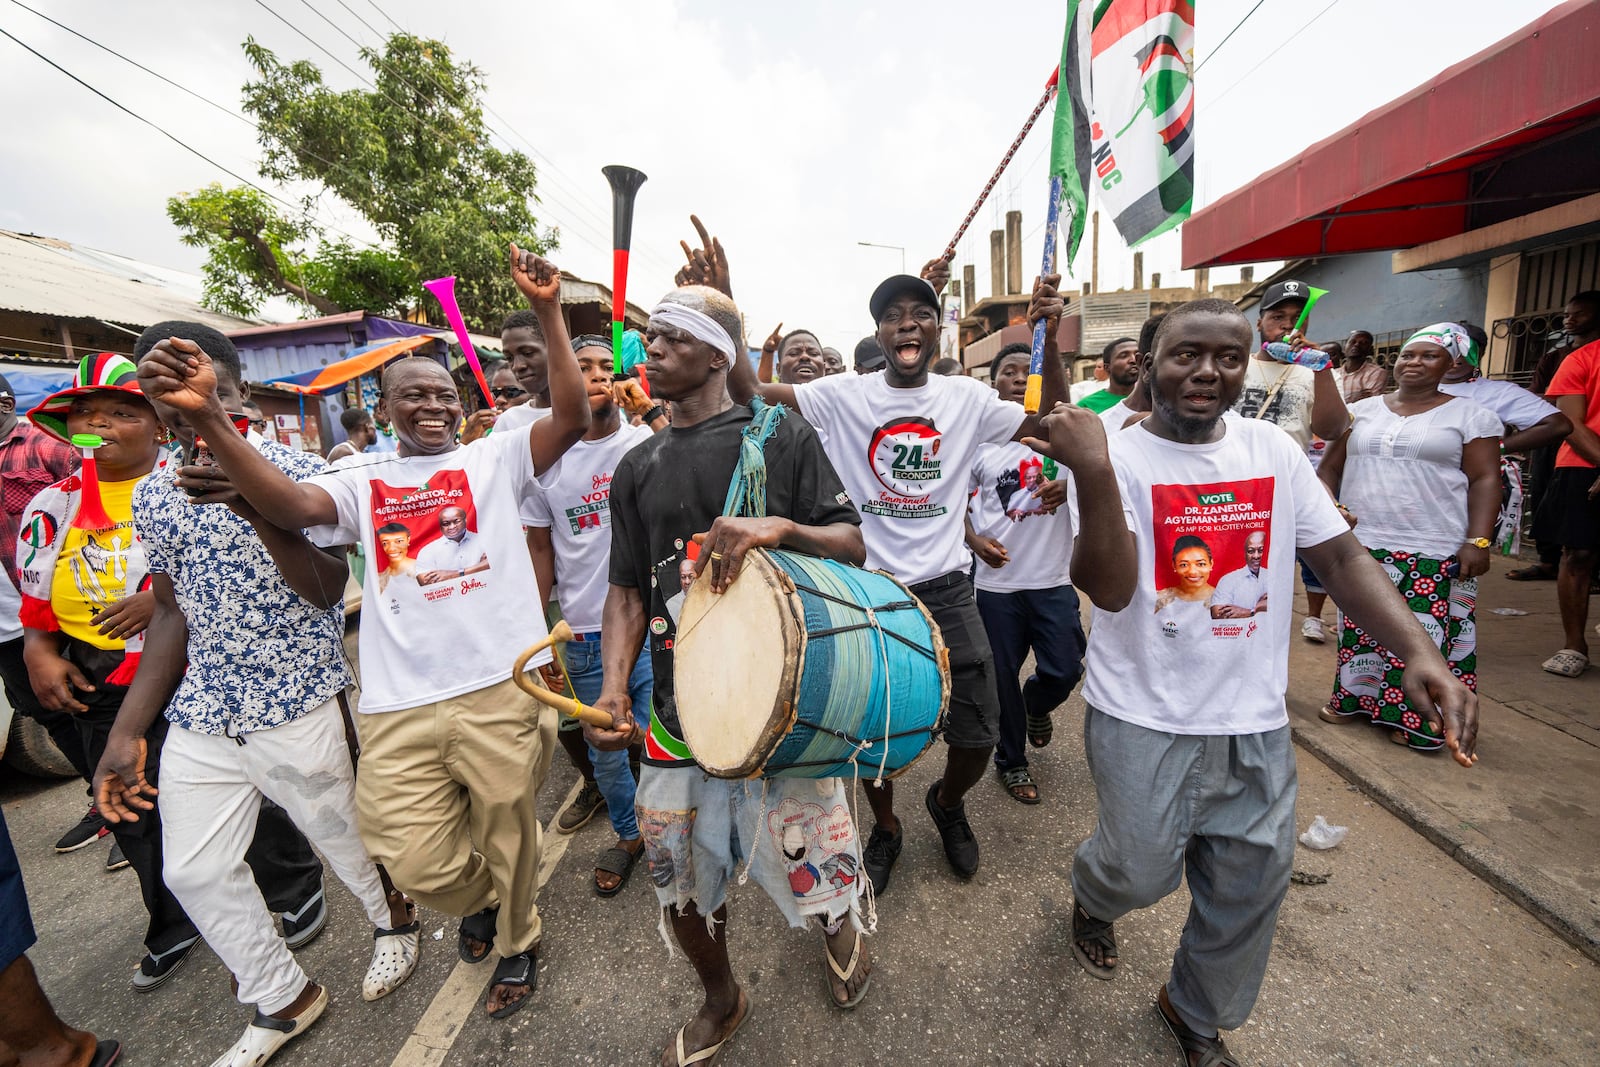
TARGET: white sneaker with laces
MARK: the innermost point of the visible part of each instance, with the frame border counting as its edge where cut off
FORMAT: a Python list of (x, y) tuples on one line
[(1312, 631)]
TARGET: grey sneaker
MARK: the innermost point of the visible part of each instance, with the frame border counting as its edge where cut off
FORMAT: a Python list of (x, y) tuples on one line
[(588, 801)]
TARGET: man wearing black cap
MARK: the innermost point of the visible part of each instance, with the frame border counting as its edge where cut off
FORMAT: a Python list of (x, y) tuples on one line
[(869, 356), (29, 461), (904, 444), (1294, 398)]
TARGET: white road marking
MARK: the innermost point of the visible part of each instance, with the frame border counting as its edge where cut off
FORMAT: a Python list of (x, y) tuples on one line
[(436, 1032)]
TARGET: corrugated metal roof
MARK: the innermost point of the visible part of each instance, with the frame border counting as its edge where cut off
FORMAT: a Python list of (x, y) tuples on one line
[(45, 276)]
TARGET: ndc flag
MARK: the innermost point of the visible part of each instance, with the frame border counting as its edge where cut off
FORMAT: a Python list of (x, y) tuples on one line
[(1125, 114)]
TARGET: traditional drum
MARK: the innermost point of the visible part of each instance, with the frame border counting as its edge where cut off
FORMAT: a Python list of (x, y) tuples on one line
[(807, 668)]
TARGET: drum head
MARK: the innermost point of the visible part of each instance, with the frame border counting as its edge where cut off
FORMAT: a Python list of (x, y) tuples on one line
[(734, 667)]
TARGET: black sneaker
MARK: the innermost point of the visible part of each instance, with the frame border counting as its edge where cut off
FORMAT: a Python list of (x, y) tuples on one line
[(91, 828), (588, 801), (883, 848), (306, 922), (155, 970), (115, 860), (960, 847)]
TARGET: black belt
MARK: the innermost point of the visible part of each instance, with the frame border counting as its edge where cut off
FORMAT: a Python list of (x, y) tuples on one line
[(944, 581)]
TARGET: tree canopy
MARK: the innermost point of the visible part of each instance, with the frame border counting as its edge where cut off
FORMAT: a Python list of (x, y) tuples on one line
[(412, 155)]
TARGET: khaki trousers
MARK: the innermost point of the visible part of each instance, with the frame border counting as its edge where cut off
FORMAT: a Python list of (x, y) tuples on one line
[(446, 794)]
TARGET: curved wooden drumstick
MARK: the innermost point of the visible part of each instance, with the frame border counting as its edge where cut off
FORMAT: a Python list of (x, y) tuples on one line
[(564, 704)]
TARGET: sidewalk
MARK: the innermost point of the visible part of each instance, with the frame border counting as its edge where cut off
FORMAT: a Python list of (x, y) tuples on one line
[(1526, 819)]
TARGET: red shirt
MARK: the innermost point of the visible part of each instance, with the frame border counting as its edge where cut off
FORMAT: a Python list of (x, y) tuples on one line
[(1579, 376), (30, 459)]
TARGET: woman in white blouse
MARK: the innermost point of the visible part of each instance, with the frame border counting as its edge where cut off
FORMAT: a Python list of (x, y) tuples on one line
[(1419, 473)]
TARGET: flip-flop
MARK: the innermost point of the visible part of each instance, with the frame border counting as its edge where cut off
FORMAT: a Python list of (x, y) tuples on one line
[(1016, 779), (1568, 663), (479, 926), (711, 1054), (106, 1053), (618, 861), (521, 969), (844, 975), (1534, 573)]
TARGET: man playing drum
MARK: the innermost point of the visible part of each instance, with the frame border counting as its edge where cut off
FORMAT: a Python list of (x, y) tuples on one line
[(904, 443), (667, 530)]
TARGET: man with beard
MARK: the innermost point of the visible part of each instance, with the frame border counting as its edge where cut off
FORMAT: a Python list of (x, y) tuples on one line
[(904, 444), (1120, 359), (667, 497), (1191, 755)]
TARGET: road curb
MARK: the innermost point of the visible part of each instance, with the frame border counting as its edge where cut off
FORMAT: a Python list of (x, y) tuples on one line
[(1530, 890)]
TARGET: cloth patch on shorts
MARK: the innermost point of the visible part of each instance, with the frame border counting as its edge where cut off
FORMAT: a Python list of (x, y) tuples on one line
[(817, 845), (667, 836)]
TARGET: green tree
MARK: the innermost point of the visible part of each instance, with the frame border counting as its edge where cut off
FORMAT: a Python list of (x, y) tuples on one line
[(412, 155), (257, 251)]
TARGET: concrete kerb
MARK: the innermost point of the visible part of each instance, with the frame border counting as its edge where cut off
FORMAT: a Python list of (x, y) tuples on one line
[(1527, 888)]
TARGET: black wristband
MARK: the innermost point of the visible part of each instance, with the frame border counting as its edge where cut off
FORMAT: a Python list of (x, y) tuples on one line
[(654, 413)]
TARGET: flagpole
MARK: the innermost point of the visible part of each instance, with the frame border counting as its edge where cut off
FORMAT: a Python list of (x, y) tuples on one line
[(1005, 161), (1034, 394)]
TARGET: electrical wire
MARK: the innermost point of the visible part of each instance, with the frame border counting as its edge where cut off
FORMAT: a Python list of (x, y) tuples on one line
[(1229, 37), (1275, 53)]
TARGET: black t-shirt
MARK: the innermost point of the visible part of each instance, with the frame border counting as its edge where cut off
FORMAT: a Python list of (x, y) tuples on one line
[(672, 487)]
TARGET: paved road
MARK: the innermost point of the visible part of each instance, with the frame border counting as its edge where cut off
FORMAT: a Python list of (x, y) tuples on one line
[(1401, 957)]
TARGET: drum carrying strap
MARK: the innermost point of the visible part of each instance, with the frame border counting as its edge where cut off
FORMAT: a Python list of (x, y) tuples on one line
[(747, 493)]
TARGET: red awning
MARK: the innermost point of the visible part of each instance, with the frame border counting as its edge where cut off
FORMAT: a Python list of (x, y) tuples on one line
[(1402, 175)]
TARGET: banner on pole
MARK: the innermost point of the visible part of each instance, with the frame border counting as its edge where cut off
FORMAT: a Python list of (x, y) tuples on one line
[(1125, 114)]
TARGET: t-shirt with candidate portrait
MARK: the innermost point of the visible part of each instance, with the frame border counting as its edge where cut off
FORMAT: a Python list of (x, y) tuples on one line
[(576, 508), (906, 457), (1192, 509), (425, 637), (673, 486), (1038, 543)]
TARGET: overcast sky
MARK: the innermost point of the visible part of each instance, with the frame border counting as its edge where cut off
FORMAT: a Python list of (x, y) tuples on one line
[(794, 130)]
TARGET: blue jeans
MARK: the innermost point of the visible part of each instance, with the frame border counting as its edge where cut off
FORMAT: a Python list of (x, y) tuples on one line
[(1046, 621), (611, 771)]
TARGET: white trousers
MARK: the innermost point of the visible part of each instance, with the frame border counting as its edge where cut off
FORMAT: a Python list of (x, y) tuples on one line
[(211, 790)]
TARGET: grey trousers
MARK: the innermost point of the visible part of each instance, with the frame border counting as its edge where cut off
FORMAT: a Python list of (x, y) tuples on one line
[(1221, 807)]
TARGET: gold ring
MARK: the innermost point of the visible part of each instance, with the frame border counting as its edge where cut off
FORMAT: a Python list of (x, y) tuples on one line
[(716, 555)]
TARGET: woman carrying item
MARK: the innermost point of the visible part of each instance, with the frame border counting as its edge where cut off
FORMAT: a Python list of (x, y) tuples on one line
[(1419, 472)]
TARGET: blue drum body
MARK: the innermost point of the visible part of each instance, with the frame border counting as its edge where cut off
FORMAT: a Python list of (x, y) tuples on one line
[(855, 665)]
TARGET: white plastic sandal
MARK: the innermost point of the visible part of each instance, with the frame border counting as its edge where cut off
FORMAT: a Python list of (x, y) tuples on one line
[(1568, 663), (266, 1035), (394, 959)]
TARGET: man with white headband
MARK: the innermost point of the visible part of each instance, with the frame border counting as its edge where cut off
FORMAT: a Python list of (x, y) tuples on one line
[(905, 443), (667, 530)]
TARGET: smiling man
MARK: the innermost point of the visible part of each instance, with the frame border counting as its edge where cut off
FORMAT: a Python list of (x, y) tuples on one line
[(904, 443), (1190, 754), (453, 753)]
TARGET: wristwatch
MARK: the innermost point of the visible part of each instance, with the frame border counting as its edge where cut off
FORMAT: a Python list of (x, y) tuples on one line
[(1479, 542)]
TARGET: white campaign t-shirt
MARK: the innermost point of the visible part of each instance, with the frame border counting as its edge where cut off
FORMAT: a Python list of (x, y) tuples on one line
[(905, 457), (1163, 662), (576, 508), (424, 643), (520, 416), (1286, 390), (1038, 543), (1116, 417), (1514, 405), (1402, 474)]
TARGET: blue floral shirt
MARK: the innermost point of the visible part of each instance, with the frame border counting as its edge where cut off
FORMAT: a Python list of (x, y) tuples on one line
[(259, 655)]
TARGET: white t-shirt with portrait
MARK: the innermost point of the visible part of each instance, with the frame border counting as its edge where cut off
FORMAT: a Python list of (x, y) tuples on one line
[(905, 457), (1197, 674), (575, 507), (422, 643), (1038, 543)]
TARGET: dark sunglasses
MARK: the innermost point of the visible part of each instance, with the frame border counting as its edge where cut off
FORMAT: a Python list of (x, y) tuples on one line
[(510, 392)]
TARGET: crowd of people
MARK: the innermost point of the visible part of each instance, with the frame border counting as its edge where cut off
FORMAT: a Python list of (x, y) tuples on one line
[(176, 621)]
